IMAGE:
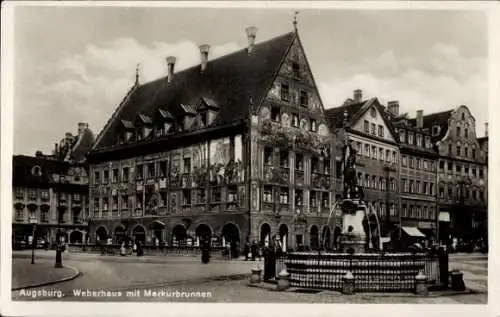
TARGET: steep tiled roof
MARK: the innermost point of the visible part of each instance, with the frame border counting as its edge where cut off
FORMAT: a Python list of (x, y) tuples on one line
[(230, 81), (24, 170), (82, 146), (438, 118), (335, 116)]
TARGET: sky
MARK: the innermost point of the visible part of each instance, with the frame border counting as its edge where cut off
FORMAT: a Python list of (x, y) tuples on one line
[(75, 64)]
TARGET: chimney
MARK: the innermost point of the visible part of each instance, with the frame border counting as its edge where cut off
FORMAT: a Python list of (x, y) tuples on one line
[(81, 127), (251, 33), (486, 129), (358, 95), (170, 65), (393, 107), (68, 135), (56, 149), (420, 119), (204, 48)]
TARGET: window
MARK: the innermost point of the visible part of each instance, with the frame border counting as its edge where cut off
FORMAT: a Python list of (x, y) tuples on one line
[(466, 152), (151, 170), (481, 195), (186, 197), (105, 203), (313, 126), (402, 136), (404, 161), (417, 188), (299, 162), (392, 209), (458, 150), (314, 165), (304, 98), (426, 165), (441, 165), (374, 182), (435, 130), (450, 166), (125, 174), (97, 177), (374, 152), (431, 189), (44, 194), (367, 126), (32, 194), (474, 195), (419, 140), (426, 212), (19, 193), (412, 211), (405, 211), (458, 131), (459, 169), (124, 203), (387, 155), (380, 131), (392, 183), (374, 127), (473, 153), (284, 195), (76, 197), (275, 114), (466, 133), (284, 159), (412, 165), (162, 170), (232, 194), (106, 177), (360, 179), (381, 183), (394, 159), (295, 120), (324, 200), (115, 203), (285, 92), (187, 165), (449, 149), (299, 197), (481, 173), (268, 156), (216, 194), (140, 172), (367, 150), (428, 142), (412, 187), (418, 164), (424, 190), (404, 185), (466, 171), (450, 192), (381, 154), (114, 175), (474, 172), (367, 181), (410, 137), (268, 194), (96, 204), (359, 148), (296, 70)]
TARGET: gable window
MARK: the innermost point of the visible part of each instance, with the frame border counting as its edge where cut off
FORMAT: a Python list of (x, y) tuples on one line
[(296, 70), (367, 126), (304, 98), (203, 118), (374, 129), (295, 120), (275, 114), (458, 131), (285, 92), (380, 130), (312, 125)]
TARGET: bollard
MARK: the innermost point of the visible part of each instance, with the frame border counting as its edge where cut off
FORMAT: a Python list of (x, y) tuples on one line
[(457, 281), (348, 284), (420, 284), (283, 280), (255, 277)]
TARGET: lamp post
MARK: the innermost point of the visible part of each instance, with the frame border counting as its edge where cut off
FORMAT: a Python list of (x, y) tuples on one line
[(34, 222), (58, 263)]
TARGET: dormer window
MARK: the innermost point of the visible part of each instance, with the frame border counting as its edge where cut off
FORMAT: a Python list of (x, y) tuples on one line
[(189, 116), (204, 118), (207, 110), (435, 130)]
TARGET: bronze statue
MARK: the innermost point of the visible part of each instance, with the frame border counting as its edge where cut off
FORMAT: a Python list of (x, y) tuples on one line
[(351, 190)]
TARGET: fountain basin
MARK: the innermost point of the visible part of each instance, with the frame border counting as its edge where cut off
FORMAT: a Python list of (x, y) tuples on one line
[(373, 272)]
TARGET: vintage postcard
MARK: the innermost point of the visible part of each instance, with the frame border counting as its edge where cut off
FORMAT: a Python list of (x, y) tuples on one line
[(246, 153)]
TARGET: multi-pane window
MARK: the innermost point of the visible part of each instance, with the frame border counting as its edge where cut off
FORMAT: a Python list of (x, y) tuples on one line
[(374, 152), (19, 193), (44, 194), (381, 130), (105, 203), (268, 194), (76, 197), (374, 129), (140, 172), (324, 200), (419, 140), (125, 175), (410, 137), (106, 177), (366, 126), (232, 194), (32, 194), (97, 177), (304, 98), (114, 175), (284, 195), (285, 92)]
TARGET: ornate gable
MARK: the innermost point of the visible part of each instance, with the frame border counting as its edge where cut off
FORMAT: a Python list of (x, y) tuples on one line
[(371, 120)]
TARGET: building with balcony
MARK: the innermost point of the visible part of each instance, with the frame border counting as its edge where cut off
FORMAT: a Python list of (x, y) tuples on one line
[(418, 176), (462, 174), (366, 124), (54, 190), (234, 149)]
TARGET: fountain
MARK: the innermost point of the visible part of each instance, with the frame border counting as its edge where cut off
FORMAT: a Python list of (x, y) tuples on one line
[(360, 255)]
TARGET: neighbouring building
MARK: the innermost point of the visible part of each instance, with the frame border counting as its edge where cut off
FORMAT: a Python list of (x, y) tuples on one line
[(417, 177), (462, 176), (366, 124), (52, 190), (234, 149)]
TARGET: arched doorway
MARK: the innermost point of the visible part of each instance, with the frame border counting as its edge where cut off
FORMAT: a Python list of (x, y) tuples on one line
[(265, 232), (179, 235), (119, 235), (101, 234), (139, 234), (158, 228), (203, 233), (313, 238), (283, 232), (231, 235), (337, 232), (326, 236), (76, 237)]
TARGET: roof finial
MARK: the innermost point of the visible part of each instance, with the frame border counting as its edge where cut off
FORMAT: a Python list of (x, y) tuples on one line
[(137, 74), (295, 21)]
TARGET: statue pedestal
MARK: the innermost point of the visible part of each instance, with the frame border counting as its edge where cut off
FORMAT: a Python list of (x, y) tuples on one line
[(353, 232)]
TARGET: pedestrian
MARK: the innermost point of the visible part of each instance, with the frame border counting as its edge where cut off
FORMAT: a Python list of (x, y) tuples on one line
[(134, 248), (246, 250), (205, 251), (123, 249), (253, 250), (228, 251), (139, 248)]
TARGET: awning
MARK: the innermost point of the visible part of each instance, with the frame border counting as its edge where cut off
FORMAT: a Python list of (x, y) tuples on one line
[(444, 216), (413, 232)]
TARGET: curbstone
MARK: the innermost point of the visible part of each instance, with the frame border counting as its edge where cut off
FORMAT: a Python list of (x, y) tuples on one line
[(75, 274)]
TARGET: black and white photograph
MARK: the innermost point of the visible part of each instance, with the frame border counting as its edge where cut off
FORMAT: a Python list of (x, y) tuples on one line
[(246, 154)]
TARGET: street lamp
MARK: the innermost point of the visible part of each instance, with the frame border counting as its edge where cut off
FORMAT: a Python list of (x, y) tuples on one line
[(34, 222), (59, 216)]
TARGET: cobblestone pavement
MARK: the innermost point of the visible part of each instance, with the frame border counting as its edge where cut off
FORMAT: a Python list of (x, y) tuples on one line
[(475, 270), (25, 274)]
